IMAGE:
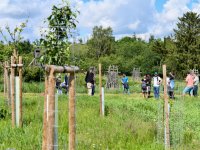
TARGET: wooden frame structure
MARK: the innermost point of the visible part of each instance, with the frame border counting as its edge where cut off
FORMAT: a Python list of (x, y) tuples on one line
[(49, 106), (13, 87), (136, 74), (112, 77)]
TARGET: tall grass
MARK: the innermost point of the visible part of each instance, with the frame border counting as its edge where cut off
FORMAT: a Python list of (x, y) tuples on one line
[(130, 122)]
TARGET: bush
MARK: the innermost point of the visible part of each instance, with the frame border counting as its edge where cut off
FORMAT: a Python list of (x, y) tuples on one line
[(33, 73)]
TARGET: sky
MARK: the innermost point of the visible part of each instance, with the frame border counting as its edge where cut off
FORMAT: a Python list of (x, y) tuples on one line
[(126, 17)]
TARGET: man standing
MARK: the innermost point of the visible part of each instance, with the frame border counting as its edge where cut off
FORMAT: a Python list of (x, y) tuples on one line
[(89, 79), (171, 85), (196, 83), (189, 84), (148, 82), (156, 85), (125, 83)]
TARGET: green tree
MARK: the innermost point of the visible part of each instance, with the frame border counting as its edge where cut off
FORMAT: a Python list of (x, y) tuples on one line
[(55, 39), (187, 40), (101, 43)]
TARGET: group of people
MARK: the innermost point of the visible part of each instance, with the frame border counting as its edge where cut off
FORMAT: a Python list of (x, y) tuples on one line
[(192, 81), (61, 85)]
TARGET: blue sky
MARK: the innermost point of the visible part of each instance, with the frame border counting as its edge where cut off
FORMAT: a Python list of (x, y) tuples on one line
[(126, 17)]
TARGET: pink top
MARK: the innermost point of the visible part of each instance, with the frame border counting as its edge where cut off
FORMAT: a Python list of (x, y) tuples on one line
[(190, 80)]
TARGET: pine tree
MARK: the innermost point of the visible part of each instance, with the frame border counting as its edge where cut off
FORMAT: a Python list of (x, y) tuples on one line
[(187, 40)]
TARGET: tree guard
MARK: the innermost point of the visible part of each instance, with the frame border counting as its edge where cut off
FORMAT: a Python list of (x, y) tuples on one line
[(49, 106), (112, 77), (136, 74)]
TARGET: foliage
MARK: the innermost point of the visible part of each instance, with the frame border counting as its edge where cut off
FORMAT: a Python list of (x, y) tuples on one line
[(130, 123), (101, 43), (187, 40), (55, 39), (33, 73)]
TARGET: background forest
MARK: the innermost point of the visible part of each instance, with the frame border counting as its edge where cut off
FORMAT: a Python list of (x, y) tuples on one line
[(179, 51)]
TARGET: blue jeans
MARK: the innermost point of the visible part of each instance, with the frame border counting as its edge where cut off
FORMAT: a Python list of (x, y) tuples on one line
[(188, 89), (156, 90), (195, 89)]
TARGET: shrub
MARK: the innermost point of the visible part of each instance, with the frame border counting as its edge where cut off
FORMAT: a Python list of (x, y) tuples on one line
[(33, 73)]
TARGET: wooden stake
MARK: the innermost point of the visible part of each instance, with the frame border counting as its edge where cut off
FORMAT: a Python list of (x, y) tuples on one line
[(44, 136), (100, 90), (8, 84), (4, 79), (51, 111), (72, 128), (13, 91), (20, 91), (167, 131)]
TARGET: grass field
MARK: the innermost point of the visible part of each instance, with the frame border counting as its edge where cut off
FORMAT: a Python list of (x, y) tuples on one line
[(130, 123)]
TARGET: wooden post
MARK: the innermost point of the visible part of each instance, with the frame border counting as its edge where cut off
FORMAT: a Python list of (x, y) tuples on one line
[(5, 79), (167, 131), (51, 111), (44, 136), (100, 90), (8, 83), (13, 91), (72, 117), (20, 91), (49, 106)]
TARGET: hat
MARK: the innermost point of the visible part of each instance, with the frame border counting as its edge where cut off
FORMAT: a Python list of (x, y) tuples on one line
[(155, 73)]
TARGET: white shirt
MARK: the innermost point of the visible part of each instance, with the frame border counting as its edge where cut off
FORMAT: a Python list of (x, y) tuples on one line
[(196, 80), (156, 81)]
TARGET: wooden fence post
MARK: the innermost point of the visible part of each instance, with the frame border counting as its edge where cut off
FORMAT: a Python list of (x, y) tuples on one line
[(13, 91), (100, 90), (4, 79), (20, 91), (72, 117), (8, 83), (167, 131), (44, 136), (51, 111)]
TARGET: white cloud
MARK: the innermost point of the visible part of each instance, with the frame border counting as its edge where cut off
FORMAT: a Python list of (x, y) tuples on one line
[(126, 17), (134, 25)]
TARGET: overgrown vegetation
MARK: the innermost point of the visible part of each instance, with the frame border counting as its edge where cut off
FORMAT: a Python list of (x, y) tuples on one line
[(130, 123)]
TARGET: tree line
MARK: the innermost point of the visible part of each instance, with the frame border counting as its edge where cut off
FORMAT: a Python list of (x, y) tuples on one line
[(179, 51)]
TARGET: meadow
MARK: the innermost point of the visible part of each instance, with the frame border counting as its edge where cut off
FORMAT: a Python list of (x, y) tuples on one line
[(130, 122)]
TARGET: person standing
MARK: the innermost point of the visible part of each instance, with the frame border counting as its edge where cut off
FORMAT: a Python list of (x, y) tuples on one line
[(89, 79), (196, 83), (125, 84), (189, 84), (148, 83), (171, 85), (144, 87), (58, 84), (156, 85)]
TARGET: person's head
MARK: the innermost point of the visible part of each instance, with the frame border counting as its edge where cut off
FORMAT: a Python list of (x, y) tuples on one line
[(156, 74), (124, 75), (144, 77), (191, 72), (90, 71)]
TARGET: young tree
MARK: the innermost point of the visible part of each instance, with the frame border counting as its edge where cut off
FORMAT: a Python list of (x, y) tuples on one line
[(55, 39), (101, 43), (12, 39), (187, 40)]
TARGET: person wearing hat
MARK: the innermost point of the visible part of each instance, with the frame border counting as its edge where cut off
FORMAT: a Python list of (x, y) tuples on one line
[(156, 85)]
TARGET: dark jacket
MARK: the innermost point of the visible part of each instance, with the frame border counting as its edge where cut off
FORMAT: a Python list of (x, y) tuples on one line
[(89, 78)]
